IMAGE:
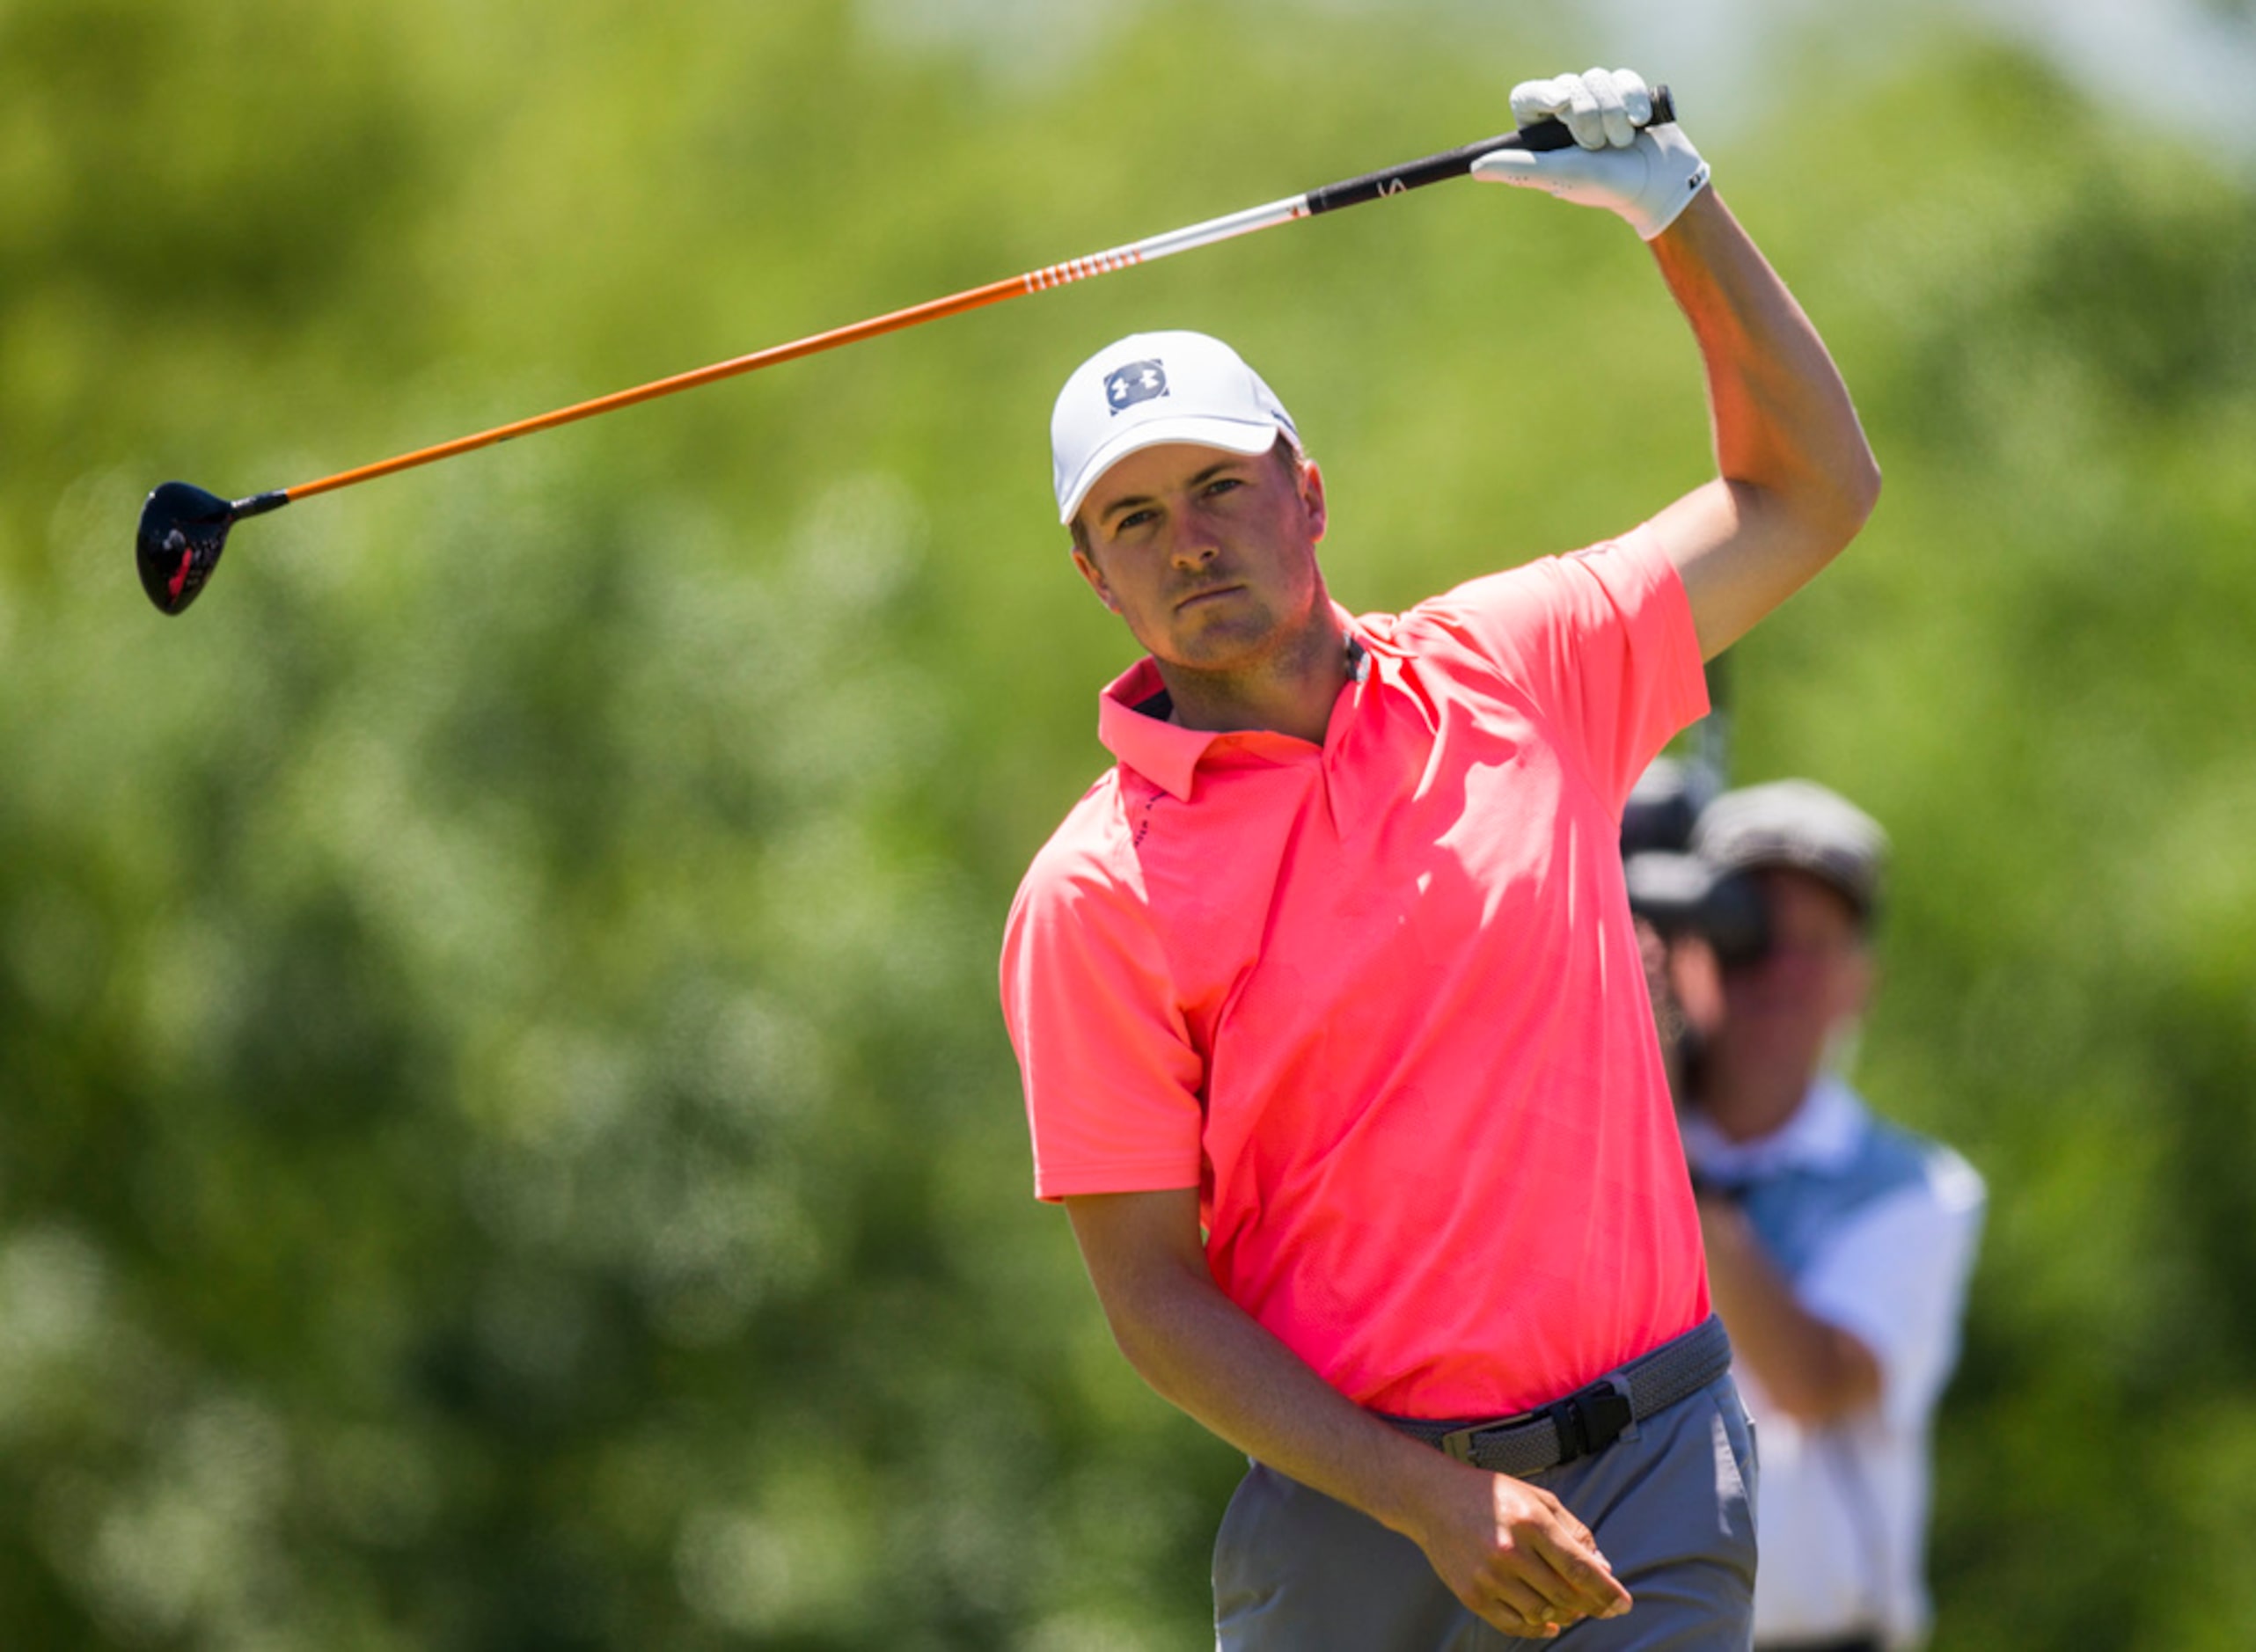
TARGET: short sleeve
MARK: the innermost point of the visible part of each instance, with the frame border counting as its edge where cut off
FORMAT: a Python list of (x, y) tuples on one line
[(1111, 1077), (1896, 1278), (1602, 640)]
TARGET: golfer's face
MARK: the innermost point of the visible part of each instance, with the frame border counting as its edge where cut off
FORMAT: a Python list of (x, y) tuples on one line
[(1209, 556)]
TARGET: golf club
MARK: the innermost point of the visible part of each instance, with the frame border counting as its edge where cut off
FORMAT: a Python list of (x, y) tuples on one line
[(183, 528)]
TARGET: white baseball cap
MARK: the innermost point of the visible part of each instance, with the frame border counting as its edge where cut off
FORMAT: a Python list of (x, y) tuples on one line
[(1154, 387)]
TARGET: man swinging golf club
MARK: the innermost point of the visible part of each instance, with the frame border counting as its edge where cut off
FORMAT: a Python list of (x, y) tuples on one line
[(1330, 1007)]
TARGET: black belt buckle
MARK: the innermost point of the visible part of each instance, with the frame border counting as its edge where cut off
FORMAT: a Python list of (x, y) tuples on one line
[(1590, 1420)]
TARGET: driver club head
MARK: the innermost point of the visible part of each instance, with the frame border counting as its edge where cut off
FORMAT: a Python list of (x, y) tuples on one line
[(183, 529)]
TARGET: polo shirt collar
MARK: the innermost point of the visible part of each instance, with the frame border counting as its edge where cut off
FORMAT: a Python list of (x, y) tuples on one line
[(1165, 754), (1823, 1135)]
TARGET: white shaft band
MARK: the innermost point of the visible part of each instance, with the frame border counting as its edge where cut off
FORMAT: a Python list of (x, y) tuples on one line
[(1159, 247)]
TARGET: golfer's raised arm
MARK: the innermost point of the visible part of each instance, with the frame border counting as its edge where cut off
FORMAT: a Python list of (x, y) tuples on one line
[(1795, 477)]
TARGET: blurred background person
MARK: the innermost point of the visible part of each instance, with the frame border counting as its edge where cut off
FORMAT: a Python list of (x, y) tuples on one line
[(1690, 916), (1839, 1245)]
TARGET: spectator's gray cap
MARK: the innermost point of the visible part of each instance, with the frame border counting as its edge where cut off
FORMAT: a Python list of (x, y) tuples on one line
[(1801, 825)]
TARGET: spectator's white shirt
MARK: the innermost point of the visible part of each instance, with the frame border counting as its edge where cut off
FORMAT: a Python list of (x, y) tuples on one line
[(1886, 1227)]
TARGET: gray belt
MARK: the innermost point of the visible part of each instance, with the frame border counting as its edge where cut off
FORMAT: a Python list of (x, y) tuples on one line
[(1590, 1419)]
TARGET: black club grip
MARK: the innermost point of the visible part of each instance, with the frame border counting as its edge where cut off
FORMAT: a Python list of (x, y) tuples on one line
[(1394, 180)]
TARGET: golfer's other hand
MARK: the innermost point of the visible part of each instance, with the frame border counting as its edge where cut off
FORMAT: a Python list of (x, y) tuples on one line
[(1515, 1555)]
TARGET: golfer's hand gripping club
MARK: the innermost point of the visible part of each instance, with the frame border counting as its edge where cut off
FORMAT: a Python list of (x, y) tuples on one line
[(183, 529), (1622, 158)]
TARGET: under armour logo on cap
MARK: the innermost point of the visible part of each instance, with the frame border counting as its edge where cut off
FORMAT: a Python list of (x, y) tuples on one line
[(1138, 381)]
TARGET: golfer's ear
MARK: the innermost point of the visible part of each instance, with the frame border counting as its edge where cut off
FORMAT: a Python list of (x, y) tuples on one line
[(1312, 495), (1087, 568)]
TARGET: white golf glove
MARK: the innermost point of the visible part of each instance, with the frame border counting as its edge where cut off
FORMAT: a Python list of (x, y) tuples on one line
[(1647, 176)]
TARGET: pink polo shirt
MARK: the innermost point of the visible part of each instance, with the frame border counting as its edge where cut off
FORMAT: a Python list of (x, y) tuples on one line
[(1381, 1001)]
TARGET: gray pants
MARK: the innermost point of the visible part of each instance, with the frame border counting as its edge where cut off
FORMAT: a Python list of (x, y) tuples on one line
[(1671, 1503)]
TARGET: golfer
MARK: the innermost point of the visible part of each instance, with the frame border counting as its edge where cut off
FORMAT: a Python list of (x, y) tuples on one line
[(1329, 1006)]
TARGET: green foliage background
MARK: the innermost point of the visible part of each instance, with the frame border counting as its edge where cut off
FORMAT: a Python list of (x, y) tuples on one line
[(505, 1139)]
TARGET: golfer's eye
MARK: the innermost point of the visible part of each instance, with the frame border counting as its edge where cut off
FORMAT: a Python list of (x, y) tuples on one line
[(1134, 519)]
